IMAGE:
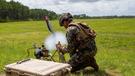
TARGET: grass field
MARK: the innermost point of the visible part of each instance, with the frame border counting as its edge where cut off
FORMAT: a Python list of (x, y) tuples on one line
[(115, 42)]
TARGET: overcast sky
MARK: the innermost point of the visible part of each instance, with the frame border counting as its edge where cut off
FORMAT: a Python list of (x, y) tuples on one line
[(89, 7)]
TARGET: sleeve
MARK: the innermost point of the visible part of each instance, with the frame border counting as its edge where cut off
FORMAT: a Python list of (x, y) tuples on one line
[(72, 31)]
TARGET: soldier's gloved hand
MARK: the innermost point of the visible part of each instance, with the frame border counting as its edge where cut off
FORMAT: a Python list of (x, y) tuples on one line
[(62, 49), (59, 47)]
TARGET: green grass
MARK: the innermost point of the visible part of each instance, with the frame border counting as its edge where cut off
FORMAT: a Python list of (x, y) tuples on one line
[(115, 41)]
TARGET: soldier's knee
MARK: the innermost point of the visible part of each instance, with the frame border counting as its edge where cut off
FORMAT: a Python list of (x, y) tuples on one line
[(93, 64), (96, 67)]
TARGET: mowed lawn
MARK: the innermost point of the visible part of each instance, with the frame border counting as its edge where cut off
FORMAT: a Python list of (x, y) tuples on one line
[(115, 41)]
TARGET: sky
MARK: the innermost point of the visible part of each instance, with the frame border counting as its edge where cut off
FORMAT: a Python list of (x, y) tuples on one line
[(88, 7)]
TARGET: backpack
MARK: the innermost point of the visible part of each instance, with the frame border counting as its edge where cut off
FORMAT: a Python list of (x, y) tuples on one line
[(85, 35), (85, 30)]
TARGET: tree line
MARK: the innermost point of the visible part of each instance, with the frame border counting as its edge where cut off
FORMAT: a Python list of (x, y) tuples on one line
[(84, 16), (15, 11)]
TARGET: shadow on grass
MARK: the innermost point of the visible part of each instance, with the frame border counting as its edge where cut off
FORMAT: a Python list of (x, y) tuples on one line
[(91, 72), (88, 72)]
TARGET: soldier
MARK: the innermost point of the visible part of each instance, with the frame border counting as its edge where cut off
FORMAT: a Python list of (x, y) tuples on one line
[(81, 43)]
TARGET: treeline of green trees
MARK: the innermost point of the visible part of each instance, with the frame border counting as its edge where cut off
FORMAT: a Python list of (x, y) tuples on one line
[(15, 11), (84, 16)]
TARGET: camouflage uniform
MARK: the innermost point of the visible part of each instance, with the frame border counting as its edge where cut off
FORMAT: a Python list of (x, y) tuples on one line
[(82, 51)]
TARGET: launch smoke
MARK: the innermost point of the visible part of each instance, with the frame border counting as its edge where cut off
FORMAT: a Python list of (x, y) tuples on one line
[(52, 40)]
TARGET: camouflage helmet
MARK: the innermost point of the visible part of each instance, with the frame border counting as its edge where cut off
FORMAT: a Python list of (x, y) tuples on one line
[(65, 17)]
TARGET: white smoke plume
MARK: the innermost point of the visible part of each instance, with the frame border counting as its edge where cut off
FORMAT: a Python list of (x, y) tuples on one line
[(52, 40)]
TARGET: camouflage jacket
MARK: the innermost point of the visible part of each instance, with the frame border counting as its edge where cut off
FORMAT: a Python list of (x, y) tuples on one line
[(78, 41)]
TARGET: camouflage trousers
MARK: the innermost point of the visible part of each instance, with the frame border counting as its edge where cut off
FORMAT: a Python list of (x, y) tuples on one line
[(80, 61)]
